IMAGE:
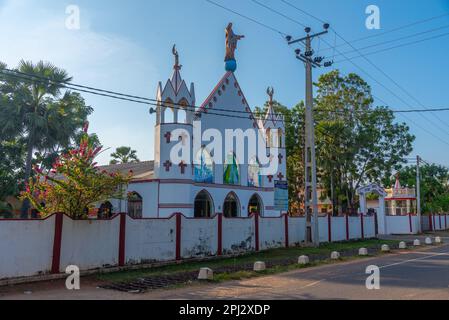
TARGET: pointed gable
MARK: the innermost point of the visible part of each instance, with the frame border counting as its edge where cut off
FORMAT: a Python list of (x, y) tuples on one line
[(227, 98)]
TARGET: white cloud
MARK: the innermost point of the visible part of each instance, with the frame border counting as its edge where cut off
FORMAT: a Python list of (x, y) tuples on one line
[(32, 31)]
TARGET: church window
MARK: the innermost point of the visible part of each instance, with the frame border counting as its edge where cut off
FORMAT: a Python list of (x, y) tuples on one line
[(254, 176), (135, 205), (231, 174), (204, 167)]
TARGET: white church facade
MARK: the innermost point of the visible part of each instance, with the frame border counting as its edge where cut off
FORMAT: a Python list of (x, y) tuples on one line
[(199, 185)]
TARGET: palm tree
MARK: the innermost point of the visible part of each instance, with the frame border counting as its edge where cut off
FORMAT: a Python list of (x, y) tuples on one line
[(45, 116), (124, 155)]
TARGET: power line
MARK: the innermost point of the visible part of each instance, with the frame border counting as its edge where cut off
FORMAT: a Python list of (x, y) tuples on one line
[(391, 30), (153, 102), (399, 39), (246, 17), (369, 61), (278, 13), (395, 47)]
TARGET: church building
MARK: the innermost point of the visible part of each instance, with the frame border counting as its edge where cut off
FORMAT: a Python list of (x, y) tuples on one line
[(199, 186)]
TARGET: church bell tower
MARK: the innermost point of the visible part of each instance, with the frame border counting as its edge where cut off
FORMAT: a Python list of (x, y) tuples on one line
[(174, 124)]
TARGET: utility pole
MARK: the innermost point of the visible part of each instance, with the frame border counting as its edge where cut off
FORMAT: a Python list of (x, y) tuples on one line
[(418, 193), (310, 187)]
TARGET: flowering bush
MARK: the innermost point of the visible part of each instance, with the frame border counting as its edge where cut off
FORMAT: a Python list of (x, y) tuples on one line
[(75, 183)]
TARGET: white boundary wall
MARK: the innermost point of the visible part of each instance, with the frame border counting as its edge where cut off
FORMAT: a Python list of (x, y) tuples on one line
[(27, 246)]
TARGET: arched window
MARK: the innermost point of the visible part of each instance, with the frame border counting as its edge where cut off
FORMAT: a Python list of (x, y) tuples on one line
[(204, 167), (231, 173), (254, 177), (169, 112), (182, 116), (231, 206), (280, 136), (105, 210), (268, 137), (182, 111), (135, 204), (255, 205), (204, 206)]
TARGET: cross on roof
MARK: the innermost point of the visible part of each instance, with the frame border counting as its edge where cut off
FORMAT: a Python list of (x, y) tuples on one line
[(280, 176)]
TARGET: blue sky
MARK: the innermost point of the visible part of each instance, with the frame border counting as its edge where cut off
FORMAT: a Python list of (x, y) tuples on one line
[(126, 46)]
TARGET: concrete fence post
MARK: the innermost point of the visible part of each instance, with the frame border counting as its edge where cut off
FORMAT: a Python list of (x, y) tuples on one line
[(178, 235), (347, 226), (439, 219), (362, 227), (256, 230), (122, 240), (410, 222), (445, 221), (220, 234), (286, 230), (57, 243), (329, 226), (430, 222)]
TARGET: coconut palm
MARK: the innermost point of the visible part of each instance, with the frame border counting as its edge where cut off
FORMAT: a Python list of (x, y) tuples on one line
[(124, 155), (41, 112)]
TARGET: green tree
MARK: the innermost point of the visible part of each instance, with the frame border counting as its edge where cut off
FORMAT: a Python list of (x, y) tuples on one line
[(124, 155), (434, 186), (357, 142), (41, 113), (75, 184)]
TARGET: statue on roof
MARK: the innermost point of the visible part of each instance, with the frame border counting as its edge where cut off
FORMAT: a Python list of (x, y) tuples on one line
[(176, 54), (231, 42), (270, 92)]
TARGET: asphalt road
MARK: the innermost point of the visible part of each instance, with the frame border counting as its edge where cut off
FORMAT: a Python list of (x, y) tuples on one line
[(411, 274)]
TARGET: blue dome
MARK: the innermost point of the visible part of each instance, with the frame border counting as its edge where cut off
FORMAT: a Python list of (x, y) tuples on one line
[(230, 65)]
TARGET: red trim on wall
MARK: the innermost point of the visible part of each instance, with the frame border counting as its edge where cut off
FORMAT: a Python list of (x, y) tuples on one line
[(57, 242), (286, 231), (347, 226), (362, 227), (121, 241), (410, 222), (256, 230), (220, 234), (329, 226), (178, 236)]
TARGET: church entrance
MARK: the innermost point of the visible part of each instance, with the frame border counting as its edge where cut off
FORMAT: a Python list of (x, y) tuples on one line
[(203, 205), (231, 206), (255, 205)]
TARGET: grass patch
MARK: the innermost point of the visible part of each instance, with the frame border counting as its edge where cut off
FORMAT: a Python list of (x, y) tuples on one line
[(266, 256)]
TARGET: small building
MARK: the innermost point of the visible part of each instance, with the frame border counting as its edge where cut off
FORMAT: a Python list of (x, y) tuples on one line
[(400, 201)]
